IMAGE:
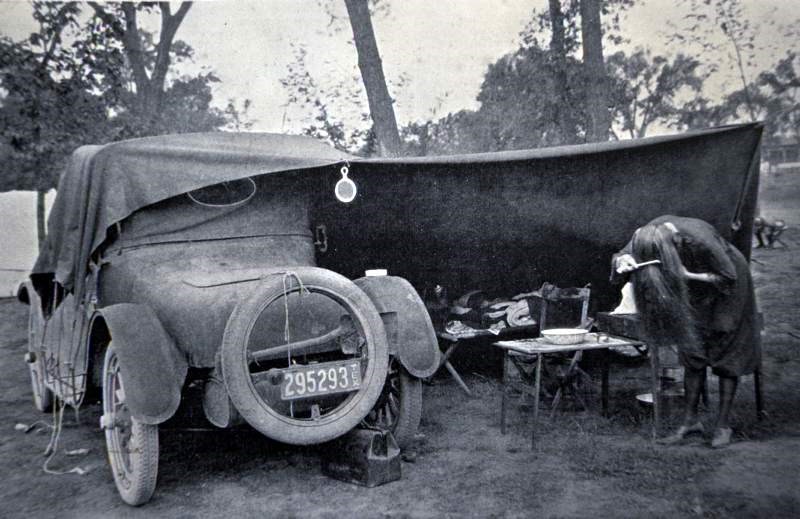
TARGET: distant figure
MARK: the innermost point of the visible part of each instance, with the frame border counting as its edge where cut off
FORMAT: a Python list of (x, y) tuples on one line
[(768, 232), (699, 296)]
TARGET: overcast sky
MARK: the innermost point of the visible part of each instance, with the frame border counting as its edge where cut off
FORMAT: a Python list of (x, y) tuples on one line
[(441, 47)]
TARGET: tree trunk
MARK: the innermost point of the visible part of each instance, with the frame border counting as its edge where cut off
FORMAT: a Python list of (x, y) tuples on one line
[(40, 221), (369, 62), (599, 122), (149, 88), (566, 122)]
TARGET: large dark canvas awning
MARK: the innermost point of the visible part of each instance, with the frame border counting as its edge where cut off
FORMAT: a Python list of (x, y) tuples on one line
[(491, 221), (507, 222)]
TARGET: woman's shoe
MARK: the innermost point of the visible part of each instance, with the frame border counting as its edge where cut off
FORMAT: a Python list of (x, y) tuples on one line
[(722, 437), (682, 432)]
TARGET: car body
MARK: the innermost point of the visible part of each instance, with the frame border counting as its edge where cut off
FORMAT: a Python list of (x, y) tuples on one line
[(215, 282), (237, 261)]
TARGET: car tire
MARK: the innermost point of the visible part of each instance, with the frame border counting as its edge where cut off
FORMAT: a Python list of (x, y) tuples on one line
[(399, 409), (132, 446), (42, 396), (236, 372)]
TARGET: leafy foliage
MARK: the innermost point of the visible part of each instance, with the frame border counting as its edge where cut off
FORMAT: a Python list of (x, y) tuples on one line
[(519, 103), (73, 82), (771, 97), (322, 104), (648, 89), (781, 86), (47, 106), (537, 31), (774, 97)]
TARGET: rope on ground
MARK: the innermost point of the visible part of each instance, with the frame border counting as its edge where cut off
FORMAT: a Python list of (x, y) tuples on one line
[(52, 446)]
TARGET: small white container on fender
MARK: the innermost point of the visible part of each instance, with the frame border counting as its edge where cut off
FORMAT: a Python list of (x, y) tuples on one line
[(376, 272)]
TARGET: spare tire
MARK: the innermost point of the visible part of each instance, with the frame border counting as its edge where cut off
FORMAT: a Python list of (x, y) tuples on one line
[(304, 356)]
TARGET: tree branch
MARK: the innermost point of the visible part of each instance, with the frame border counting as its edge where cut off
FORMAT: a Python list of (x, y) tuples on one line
[(169, 27), (54, 41)]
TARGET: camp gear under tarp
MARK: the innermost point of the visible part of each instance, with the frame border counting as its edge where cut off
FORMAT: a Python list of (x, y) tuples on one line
[(505, 221)]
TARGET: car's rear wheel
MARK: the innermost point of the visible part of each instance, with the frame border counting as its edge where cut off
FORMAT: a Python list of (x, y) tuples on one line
[(42, 396), (304, 357), (132, 445), (399, 407)]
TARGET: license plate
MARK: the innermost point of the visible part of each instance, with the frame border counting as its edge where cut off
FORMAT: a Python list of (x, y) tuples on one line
[(326, 378)]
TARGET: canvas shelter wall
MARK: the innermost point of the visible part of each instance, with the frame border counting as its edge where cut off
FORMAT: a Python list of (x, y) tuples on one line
[(502, 222), (552, 215)]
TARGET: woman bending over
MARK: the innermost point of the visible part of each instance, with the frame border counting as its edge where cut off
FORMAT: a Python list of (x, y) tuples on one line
[(699, 297)]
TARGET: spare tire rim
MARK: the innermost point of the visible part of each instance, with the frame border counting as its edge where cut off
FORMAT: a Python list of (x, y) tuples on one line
[(308, 381)]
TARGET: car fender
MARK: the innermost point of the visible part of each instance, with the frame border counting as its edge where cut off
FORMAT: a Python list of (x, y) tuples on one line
[(152, 366), (408, 325)]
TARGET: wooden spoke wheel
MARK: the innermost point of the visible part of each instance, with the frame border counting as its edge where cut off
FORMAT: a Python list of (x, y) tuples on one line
[(42, 396), (399, 407), (132, 446)]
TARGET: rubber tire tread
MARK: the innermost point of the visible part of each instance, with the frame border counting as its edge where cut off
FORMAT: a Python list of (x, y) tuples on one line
[(237, 382), (410, 415)]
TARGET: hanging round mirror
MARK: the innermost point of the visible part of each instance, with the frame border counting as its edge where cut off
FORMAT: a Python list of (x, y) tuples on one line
[(345, 189)]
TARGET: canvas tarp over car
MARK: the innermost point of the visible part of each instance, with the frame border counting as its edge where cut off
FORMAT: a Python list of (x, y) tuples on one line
[(103, 185), (503, 221)]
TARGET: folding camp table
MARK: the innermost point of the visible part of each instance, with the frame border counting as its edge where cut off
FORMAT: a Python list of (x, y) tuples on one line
[(455, 340), (537, 348)]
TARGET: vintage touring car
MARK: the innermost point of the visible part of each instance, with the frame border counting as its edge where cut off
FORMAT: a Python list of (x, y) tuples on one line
[(237, 261)]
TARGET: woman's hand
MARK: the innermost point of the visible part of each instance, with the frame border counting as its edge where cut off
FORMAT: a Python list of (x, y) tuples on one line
[(624, 264)]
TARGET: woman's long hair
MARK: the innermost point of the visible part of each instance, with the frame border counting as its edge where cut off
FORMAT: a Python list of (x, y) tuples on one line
[(661, 292)]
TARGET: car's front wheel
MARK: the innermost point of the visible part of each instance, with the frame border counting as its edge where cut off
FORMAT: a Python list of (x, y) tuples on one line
[(132, 445), (42, 396)]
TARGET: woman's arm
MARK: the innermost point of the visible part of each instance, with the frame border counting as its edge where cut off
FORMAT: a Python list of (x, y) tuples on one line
[(705, 277), (712, 251)]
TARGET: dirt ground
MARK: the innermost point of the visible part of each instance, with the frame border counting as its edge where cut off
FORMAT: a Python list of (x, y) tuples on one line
[(584, 465)]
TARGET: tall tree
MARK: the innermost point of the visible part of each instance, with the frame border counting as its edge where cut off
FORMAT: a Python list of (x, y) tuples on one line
[(45, 111), (369, 62), (568, 28), (520, 104), (150, 84), (599, 116), (55, 97), (721, 29), (782, 83), (648, 89), (558, 52), (774, 97)]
